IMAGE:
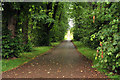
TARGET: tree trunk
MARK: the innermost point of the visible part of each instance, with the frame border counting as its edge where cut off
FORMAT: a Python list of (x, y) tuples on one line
[(11, 26), (25, 10), (25, 32)]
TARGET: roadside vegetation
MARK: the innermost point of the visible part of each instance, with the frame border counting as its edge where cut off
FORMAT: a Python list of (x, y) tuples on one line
[(8, 64), (97, 27), (86, 51)]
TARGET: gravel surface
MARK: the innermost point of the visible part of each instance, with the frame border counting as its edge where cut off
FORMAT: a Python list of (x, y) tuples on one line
[(64, 61)]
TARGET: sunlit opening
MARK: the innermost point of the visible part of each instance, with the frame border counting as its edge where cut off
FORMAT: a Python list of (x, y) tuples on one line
[(69, 35)]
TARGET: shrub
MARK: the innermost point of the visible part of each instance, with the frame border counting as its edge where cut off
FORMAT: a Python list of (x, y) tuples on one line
[(28, 47), (11, 47)]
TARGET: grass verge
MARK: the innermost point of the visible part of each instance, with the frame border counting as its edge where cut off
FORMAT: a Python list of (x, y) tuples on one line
[(55, 43), (86, 51), (89, 53), (25, 57)]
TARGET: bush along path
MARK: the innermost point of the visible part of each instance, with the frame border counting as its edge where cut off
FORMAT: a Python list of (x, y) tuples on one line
[(26, 56), (97, 26), (63, 62)]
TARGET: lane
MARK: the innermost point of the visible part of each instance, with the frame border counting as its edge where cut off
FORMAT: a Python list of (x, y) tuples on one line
[(63, 62)]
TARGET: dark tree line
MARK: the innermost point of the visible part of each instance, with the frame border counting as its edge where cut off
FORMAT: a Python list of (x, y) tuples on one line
[(32, 24)]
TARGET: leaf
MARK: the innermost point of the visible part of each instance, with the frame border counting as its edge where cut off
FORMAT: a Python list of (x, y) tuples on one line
[(105, 60), (30, 10), (101, 37), (118, 55), (109, 53), (113, 67), (33, 6)]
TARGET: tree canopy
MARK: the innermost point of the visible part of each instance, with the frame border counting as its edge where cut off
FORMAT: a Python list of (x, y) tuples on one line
[(32, 24)]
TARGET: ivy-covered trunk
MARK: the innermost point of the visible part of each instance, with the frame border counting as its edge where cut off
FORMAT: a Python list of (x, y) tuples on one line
[(11, 26), (25, 32), (25, 21), (46, 36)]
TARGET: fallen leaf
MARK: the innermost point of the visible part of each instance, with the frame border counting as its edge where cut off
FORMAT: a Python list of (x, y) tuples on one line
[(81, 71), (48, 72), (29, 72), (58, 71)]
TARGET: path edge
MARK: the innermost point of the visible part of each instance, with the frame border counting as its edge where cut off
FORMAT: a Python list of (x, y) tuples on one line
[(34, 57), (79, 51), (87, 58)]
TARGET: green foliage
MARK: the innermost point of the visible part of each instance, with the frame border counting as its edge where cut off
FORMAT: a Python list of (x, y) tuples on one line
[(25, 57), (11, 47), (109, 36), (28, 47), (109, 49), (46, 27), (96, 24), (38, 23)]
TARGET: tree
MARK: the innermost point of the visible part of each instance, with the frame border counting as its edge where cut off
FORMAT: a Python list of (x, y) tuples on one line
[(32, 24)]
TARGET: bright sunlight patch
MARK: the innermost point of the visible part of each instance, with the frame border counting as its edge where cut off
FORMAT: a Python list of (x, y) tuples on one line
[(69, 36)]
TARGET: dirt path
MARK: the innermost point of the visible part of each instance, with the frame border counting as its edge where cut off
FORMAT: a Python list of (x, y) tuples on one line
[(63, 62)]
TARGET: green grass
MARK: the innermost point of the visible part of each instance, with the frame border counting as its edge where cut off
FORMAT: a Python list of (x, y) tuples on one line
[(55, 43), (25, 57), (86, 51), (89, 53)]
